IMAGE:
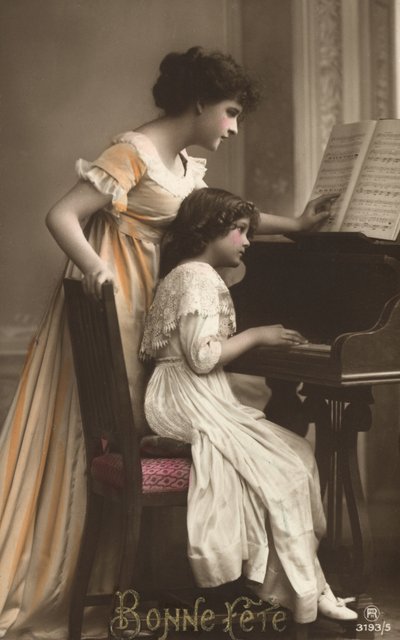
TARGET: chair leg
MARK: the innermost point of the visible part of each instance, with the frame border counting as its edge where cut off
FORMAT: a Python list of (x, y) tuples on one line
[(86, 557), (131, 522), (132, 519)]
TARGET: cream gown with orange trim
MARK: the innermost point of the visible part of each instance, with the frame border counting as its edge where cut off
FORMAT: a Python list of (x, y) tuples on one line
[(42, 501)]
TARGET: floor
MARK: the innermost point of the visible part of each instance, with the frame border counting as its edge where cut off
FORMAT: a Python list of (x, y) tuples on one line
[(383, 591), (386, 597)]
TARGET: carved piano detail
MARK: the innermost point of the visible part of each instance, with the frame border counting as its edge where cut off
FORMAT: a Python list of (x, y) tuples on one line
[(342, 292)]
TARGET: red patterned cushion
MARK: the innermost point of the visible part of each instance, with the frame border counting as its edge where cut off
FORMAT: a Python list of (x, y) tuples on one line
[(160, 475)]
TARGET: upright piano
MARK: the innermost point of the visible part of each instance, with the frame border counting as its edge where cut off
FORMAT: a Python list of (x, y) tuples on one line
[(341, 292)]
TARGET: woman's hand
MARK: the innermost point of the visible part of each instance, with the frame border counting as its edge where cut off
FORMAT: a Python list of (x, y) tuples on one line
[(94, 279), (316, 212), (277, 335)]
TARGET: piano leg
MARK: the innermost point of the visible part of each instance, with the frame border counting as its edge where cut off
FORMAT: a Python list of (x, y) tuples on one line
[(285, 407), (356, 416), (317, 410), (339, 414)]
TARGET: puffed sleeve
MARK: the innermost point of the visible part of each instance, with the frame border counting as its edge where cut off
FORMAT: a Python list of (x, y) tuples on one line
[(198, 338), (115, 172)]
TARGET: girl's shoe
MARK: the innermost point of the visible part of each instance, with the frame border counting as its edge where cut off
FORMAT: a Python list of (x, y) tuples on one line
[(335, 608)]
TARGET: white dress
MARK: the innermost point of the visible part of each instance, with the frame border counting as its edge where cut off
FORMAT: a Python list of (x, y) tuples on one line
[(254, 504)]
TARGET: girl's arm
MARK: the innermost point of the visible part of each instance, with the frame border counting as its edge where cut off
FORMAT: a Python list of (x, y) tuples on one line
[(64, 222), (204, 350), (273, 335), (316, 211)]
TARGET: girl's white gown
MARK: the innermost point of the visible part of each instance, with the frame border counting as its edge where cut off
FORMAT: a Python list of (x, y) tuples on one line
[(254, 503)]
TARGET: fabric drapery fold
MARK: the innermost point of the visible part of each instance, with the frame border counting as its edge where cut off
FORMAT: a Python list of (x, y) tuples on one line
[(42, 463), (254, 504)]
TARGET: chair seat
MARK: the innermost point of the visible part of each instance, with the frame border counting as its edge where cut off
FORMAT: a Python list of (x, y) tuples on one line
[(160, 475), (154, 446)]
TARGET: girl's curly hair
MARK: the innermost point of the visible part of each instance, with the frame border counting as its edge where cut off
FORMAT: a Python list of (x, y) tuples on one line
[(204, 215), (198, 76)]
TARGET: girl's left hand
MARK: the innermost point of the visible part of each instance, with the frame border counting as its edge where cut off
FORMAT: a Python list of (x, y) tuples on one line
[(316, 212)]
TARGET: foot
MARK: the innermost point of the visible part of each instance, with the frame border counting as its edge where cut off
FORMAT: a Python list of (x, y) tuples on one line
[(335, 608)]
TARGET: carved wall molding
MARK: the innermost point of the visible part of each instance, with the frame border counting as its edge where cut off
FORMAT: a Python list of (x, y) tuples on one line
[(329, 70), (345, 69), (381, 20), (318, 84)]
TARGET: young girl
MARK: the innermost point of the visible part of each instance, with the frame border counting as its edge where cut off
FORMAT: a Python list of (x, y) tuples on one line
[(128, 195), (254, 502)]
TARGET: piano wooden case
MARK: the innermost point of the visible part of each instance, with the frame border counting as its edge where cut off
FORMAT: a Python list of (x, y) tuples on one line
[(342, 292)]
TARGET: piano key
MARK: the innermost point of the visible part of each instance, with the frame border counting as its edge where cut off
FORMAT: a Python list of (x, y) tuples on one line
[(312, 347)]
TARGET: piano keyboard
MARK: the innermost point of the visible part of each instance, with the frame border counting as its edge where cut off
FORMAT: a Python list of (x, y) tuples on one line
[(312, 347)]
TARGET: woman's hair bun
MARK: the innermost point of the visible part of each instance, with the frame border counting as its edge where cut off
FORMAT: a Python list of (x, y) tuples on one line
[(194, 53), (175, 62), (170, 62), (199, 76)]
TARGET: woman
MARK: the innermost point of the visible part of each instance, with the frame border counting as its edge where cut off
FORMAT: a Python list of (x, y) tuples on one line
[(127, 197)]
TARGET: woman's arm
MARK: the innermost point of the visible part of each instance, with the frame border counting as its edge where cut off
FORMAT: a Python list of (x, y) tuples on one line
[(316, 211), (274, 335), (64, 222)]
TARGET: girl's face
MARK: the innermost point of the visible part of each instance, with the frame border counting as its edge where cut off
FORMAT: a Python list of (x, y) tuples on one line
[(227, 251), (216, 122)]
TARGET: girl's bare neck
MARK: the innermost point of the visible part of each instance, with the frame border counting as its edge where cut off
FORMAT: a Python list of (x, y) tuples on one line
[(196, 259), (206, 256)]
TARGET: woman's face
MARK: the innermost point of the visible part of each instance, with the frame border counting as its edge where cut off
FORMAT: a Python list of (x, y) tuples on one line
[(216, 122)]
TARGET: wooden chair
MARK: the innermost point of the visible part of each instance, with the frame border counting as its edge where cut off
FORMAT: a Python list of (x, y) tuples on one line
[(120, 472)]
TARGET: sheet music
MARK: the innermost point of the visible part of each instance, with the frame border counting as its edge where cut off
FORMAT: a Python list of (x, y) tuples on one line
[(340, 165), (374, 208)]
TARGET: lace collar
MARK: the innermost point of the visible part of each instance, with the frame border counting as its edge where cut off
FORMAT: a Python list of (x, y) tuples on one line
[(190, 288), (179, 186)]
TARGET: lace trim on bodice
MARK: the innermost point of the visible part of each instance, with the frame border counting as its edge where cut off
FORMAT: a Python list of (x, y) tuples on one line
[(152, 166), (157, 171), (195, 288)]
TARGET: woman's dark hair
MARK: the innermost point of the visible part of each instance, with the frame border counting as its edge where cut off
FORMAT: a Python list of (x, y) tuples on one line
[(204, 215), (198, 76)]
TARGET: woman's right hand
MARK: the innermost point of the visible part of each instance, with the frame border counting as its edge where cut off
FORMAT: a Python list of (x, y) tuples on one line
[(277, 335), (93, 280)]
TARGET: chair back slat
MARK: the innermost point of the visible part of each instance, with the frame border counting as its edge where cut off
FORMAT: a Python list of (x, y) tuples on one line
[(104, 395)]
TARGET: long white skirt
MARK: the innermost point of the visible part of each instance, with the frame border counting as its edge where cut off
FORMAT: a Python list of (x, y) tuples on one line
[(254, 505)]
